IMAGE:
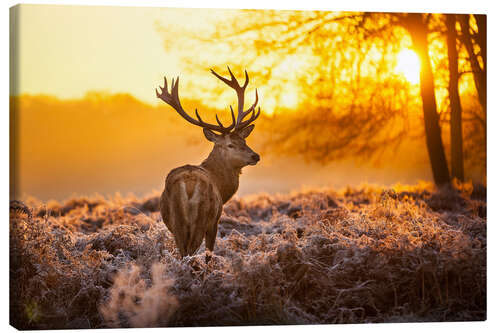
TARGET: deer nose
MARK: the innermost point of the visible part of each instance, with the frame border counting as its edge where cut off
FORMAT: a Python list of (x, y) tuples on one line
[(256, 157)]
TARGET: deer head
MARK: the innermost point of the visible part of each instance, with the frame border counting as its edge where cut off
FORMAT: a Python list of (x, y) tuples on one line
[(229, 144)]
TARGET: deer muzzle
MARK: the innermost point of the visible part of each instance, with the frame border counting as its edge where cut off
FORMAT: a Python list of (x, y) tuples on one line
[(255, 159)]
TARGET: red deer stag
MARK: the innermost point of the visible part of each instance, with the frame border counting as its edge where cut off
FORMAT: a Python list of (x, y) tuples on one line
[(191, 203)]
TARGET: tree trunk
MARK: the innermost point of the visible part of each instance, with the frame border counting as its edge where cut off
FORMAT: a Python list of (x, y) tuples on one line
[(457, 159), (479, 73), (415, 25), (481, 36)]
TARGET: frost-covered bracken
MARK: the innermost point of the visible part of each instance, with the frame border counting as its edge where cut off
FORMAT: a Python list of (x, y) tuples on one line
[(322, 256)]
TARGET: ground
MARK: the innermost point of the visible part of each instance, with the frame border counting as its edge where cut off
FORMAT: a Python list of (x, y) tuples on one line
[(364, 255)]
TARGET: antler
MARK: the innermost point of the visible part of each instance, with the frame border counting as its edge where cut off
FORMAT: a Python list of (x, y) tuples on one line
[(172, 99), (240, 92)]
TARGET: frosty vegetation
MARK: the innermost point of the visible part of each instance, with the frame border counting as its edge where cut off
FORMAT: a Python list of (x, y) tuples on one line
[(322, 256)]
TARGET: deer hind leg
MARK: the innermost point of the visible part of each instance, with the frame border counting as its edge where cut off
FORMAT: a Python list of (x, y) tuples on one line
[(180, 220), (210, 236), (191, 217), (187, 239), (211, 233), (176, 226)]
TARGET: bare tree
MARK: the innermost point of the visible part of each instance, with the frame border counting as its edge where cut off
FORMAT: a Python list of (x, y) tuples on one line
[(469, 40), (416, 25), (456, 138)]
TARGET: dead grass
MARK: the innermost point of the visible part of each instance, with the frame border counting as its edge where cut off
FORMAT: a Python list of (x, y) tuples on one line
[(355, 256)]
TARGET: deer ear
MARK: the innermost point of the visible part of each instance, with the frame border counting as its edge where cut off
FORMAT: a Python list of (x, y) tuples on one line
[(211, 136), (246, 131)]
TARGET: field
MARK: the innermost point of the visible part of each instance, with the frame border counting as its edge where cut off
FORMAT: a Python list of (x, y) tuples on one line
[(363, 255)]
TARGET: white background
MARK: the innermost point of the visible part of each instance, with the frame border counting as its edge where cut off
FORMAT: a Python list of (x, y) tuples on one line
[(436, 6)]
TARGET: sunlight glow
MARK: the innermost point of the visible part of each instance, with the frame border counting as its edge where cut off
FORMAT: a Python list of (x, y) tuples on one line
[(289, 99), (409, 66)]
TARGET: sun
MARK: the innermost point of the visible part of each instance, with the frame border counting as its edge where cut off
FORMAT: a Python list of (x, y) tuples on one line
[(409, 66)]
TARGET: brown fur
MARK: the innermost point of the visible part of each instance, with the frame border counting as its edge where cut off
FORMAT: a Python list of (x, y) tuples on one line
[(191, 203), (191, 206)]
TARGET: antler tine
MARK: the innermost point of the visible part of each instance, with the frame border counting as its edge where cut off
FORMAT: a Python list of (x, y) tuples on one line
[(245, 123), (218, 121), (232, 113), (233, 83), (223, 79), (197, 115), (246, 80), (165, 87), (233, 79), (175, 89), (252, 108)]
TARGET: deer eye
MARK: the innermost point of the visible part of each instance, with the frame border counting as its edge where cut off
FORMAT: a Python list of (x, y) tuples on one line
[(230, 145)]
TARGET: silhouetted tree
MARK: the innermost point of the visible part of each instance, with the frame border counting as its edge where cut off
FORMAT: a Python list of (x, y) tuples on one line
[(418, 30), (479, 39), (457, 161)]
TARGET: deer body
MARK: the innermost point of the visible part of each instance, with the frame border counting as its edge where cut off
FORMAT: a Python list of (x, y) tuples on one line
[(191, 203), (191, 206)]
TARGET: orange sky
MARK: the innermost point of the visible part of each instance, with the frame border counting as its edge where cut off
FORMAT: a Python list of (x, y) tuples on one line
[(68, 50)]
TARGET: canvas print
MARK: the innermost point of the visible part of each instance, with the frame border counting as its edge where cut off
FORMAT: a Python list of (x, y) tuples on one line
[(224, 167)]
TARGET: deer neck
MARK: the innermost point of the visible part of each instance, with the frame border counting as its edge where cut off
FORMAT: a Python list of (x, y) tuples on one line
[(225, 176)]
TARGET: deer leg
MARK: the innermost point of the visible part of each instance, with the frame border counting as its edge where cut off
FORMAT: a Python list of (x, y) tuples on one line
[(210, 237), (180, 247)]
